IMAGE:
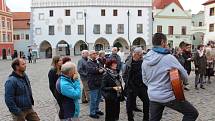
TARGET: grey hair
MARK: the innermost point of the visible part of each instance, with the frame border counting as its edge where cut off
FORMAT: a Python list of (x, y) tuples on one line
[(138, 50), (84, 51), (91, 52), (67, 67)]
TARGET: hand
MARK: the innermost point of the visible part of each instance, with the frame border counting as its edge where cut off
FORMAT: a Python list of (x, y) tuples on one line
[(117, 88), (101, 70), (196, 69), (189, 59)]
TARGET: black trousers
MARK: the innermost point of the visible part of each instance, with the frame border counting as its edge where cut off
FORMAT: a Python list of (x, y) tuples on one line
[(112, 110), (156, 109), (141, 92)]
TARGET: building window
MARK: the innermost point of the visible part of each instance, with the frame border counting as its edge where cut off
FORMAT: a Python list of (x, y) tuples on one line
[(67, 30), (22, 36), (4, 38), (211, 28), (121, 28), (51, 13), (159, 29), (80, 29), (108, 29), (41, 16), (114, 12), (139, 12), (27, 36), (184, 30), (8, 25), (79, 15), (139, 28), (67, 12), (3, 23), (17, 37), (200, 24), (14, 37), (103, 12), (38, 31), (211, 11), (170, 30), (9, 38), (51, 30), (96, 29)]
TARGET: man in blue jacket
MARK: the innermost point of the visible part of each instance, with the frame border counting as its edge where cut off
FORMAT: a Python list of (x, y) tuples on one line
[(155, 71), (18, 93)]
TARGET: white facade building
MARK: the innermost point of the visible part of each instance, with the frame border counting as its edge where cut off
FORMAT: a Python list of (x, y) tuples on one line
[(209, 21), (59, 26), (171, 19), (21, 34), (198, 28)]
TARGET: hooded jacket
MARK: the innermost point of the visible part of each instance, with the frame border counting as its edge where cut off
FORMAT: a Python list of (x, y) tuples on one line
[(155, 71)]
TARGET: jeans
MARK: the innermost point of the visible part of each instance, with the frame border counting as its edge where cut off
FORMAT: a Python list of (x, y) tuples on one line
[(188, 110), (95, 98), (199, 79)]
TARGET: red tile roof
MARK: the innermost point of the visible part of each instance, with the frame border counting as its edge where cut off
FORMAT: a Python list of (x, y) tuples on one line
[(21, 20), (209, 2), (161, 4), (3, 6)]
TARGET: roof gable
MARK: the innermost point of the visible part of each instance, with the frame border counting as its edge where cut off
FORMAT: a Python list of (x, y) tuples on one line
[(161, 4), (209, 2), (173, 10)]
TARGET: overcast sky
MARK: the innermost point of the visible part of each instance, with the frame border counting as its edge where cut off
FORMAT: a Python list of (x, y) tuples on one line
[(24, 5)]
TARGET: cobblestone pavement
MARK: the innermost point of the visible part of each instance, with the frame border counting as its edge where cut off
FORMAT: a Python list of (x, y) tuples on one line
[(203, 100)]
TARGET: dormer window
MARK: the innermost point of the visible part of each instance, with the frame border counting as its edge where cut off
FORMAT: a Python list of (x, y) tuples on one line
[(173, 10)]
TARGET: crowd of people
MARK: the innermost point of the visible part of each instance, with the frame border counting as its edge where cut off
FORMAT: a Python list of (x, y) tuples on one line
[(143, 74)]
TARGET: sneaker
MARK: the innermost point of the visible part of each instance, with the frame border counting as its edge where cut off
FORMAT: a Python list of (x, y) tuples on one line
[(196, 87), (202, 87), (137, 110), (94, 116), (100, 113), (186, 88)]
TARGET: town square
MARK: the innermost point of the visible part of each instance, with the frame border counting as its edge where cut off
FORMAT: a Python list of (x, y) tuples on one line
[(107, 60)]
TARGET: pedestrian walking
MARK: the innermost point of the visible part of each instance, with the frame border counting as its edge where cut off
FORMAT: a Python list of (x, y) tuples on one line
[(68, 86), (82, 70), (132, 75), (112, 91), (200, 62), (155, 71), (94, 79), (18, 93)]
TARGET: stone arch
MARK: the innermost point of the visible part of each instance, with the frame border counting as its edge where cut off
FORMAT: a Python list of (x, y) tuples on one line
[(139, 42), (45, 50), (121, 43), (79, 46), (63, 48), (101, 44)]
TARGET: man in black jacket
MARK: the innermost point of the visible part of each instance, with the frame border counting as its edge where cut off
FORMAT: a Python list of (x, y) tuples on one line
[(82, 70), (94, 78), (132, 75), (115, 56), (18, 93)]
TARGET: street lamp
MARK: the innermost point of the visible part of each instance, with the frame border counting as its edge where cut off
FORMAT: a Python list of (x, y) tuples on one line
[(128, 14), (85, 29)]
